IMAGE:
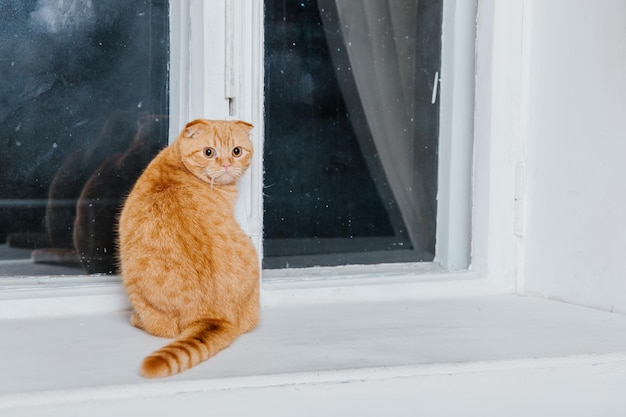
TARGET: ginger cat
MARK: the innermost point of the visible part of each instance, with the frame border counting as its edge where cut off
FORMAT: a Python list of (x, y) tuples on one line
[(190, 271)]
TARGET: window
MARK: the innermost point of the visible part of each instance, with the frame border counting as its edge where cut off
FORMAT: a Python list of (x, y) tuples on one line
[(363, 208), (83, 108), (351, 131)]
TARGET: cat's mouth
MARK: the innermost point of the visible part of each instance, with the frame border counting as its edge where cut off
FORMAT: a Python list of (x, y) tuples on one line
[(222, 178)]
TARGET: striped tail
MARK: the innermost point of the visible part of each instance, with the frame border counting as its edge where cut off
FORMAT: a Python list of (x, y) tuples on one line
[(197, 343)]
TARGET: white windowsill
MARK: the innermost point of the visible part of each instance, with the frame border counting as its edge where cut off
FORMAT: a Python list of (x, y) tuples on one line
[(439, 355)]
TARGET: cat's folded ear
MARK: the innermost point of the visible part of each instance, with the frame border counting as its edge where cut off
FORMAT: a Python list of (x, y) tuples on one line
[(192, 127), (243, 124)]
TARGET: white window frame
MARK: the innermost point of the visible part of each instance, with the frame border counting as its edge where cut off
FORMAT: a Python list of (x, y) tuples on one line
[(199, 57), (238, 39)]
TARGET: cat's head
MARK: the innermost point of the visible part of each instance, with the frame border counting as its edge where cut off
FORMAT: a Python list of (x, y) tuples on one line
[(216, 151)]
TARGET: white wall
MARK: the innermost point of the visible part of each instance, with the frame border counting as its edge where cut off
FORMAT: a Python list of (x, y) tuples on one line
[(575, 152)]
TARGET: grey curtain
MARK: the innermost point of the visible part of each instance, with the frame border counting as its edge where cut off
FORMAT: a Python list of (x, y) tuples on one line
[(375, 58)]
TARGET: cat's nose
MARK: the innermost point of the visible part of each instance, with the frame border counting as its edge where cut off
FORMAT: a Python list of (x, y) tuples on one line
[(226, 166)]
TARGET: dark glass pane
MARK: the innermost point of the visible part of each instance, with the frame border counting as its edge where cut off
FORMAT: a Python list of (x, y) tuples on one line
[(83, 108), (351, 131)]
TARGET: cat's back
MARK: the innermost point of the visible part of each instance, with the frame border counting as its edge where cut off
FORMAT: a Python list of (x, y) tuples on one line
[(172, 211), (166, 189)]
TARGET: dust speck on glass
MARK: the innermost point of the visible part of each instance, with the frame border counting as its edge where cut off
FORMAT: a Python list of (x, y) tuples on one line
[(351, 131), (83, 108)]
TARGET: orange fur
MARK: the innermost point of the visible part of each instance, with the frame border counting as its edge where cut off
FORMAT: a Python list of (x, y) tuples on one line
[(189, 270)]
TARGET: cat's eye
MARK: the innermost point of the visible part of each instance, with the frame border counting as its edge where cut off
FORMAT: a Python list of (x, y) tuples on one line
[(237, 151), (208, 153)]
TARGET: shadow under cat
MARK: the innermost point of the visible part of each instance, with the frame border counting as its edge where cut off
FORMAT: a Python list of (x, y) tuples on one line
[(88, 190)]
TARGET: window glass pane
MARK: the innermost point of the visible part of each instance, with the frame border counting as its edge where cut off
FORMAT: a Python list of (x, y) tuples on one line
[(351, 131), (83, 108)]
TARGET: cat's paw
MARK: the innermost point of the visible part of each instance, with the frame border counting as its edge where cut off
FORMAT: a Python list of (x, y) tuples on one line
[(136, 321)]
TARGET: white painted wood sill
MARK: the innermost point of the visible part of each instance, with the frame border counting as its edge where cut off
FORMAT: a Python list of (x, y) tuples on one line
[(482, 355)]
